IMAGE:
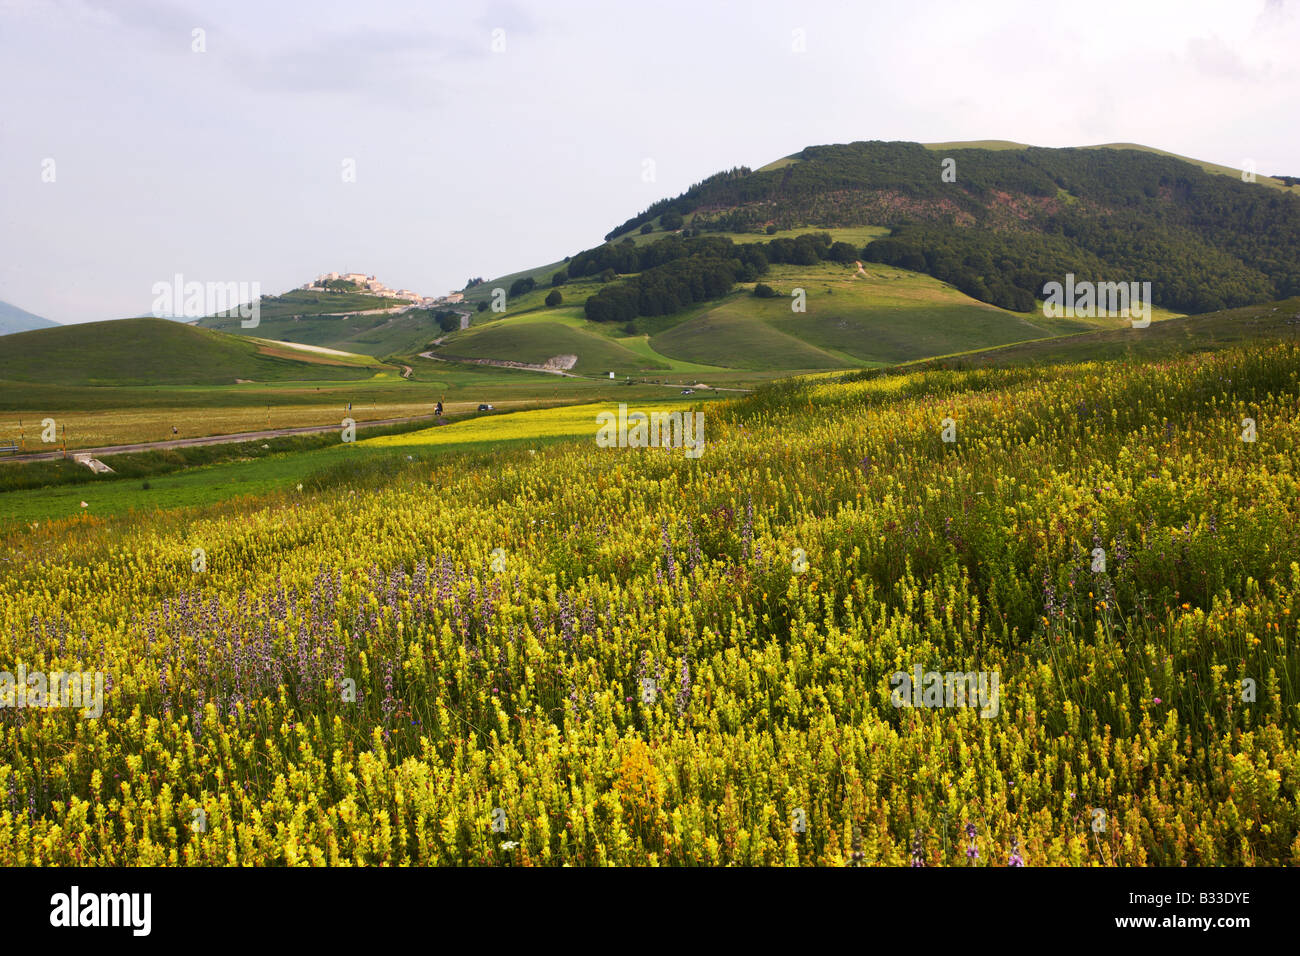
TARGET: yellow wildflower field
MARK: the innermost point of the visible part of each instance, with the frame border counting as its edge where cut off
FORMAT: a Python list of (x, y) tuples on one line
[(608, 655)]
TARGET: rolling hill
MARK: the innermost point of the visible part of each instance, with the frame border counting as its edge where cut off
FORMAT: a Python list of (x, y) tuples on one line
[(1210, 332), (14, 319), (1008, 218), (942, 264), (150, 351), (352, 322), (878, 315), (856, 315), (540, 343), (925, 264)]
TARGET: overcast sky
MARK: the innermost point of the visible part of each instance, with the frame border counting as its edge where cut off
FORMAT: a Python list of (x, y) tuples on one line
[(228, 164)]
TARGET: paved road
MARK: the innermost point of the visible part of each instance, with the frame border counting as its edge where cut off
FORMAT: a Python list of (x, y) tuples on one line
[(206, 440)]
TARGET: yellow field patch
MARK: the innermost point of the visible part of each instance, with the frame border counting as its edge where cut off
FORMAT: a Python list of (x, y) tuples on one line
[(570, 421)]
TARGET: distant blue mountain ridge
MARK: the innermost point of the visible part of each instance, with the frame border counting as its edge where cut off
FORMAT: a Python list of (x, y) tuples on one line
[(14, 319)]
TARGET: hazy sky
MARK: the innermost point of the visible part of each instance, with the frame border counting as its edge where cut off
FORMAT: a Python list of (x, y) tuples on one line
[(228, 165)]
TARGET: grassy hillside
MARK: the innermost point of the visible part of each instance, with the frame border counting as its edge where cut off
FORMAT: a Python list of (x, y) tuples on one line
[(537, 342), (731, 333), (878, 315), (857, 315), (314, 353), (539, 274), (158, 352), (1274, 321), (337, 320), (308, 302), (873, 315)]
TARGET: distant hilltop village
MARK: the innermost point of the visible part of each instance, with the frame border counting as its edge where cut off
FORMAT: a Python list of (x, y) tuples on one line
[(359, 282)]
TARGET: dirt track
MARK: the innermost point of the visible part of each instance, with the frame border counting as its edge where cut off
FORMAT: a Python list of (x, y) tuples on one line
[(499, 363), (205, 440)]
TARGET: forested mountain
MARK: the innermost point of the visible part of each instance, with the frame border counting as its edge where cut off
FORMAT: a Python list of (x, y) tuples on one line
[(1003, 222)]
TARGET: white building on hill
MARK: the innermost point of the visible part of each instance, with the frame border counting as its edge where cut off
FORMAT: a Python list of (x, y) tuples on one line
[(370, 285)]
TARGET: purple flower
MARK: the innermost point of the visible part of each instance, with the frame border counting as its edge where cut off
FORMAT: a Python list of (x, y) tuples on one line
[(668, 555), (684, 693), (1015, 859)]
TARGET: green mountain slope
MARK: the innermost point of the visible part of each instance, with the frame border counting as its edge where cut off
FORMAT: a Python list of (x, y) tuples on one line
[(150, 351), (875, 315), (540, 342), (1009, 218), (930, 265), (1210, 332), (855, 314), (351, 322)]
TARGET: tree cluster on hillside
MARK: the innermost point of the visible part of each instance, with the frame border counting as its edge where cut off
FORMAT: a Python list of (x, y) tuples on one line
[(447, 320), (627, 257), (664, 289), (674, 273), (1014, 219), (679, 206), (1009, 269)]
